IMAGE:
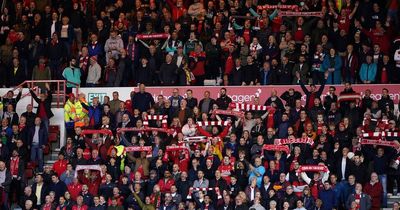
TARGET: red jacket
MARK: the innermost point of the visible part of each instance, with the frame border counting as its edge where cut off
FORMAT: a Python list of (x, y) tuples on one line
[(83, 207), (375, 192), (177, 12), (198, 67), (74, 190), (60, 166), (165, 185)]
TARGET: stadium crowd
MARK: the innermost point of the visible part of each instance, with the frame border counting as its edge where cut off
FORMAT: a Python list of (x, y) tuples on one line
[(175, 42), (336, 152)]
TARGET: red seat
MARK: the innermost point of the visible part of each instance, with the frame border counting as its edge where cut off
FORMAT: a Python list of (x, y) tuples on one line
[(54, 129), (53, 137)]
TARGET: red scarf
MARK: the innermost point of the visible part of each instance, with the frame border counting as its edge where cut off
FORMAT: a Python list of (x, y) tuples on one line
[(109, 69), (47, 206), (14, 166), (357, 199), (84, 61)]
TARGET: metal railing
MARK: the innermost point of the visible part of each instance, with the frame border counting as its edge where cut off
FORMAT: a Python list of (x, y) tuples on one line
[(33, 84)]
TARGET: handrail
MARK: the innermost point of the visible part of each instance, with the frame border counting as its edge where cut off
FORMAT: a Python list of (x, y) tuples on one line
[(31, 83)]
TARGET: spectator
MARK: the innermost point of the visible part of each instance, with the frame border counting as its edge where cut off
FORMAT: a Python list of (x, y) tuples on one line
[(144, 75), (375, 191), (364, 201), (168, 72), (332, 64), (327, 197), (236, 74), (44, 107), (37, 141), (72, 74), (206, 103), (142, 100), (57, 186), (56, 54), (224, 100), (112, 46), (41, 72), (112, 76), (368, 71), (94, 73), (16, 73), (5, 184)]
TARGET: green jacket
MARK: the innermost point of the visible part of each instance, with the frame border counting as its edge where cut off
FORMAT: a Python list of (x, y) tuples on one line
[(147, 206), (72, 76)]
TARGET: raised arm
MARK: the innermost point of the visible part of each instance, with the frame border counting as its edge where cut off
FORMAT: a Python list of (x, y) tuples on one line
[(34, 96), (202, 131)]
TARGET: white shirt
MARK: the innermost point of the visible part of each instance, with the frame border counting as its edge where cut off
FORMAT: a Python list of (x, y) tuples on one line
[(38, 193), (343, 168), (179, 60), (252, 193), (36, 135), (53, 28)]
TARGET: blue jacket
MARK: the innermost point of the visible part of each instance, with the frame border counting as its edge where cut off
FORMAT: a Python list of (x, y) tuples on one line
[(337, 73), (94, 112), (95, 50), (368, 72), (42, 135), (261, 171), (328, 198)]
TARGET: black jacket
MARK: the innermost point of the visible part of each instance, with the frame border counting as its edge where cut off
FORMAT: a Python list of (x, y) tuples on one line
[(46, 103), (236, 76), (270, 77), (43, 193), (16, 78), (7, 181), (168, 73), (283, 74)]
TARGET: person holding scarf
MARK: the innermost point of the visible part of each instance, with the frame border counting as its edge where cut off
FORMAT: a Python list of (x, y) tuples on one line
[(84, 63), (333, 64)]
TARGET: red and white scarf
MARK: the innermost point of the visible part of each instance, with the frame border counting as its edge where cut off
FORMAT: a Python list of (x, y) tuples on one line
[(248, 107), (271, 147), (309, 141), (192, 189), (303, 14), (84, 60), (87, 167), (102, 131), (312, 168), (147, 149), (392, 144), (238, 114), (153, 36), (162, 118), (145, 129), (213, 123), (349, 97), (381, 134), (278, 6)]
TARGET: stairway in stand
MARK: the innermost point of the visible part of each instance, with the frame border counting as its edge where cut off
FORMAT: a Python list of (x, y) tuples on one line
[(54, 145)]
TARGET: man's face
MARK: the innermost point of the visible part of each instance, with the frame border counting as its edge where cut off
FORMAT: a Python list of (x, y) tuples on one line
[(222, 92), (327, 186), (115, 96)]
